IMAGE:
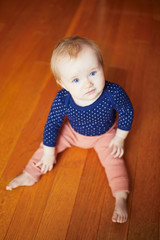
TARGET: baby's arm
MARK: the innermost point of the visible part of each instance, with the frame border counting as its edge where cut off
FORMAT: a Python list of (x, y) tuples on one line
[(47, 160), (118, 143), (53, 124), (124, 108)]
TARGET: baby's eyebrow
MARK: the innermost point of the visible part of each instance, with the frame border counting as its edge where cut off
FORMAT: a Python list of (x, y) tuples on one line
[(72, 78), (94, 68)]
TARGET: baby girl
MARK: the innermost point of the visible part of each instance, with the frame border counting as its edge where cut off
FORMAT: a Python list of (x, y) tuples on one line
[(89, 105)]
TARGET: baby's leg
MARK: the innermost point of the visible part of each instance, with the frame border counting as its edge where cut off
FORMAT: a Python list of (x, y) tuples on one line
[(32, 173), (117, 177)]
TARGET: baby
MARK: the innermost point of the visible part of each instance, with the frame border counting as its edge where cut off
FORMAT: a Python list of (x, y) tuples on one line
[(90, 104)]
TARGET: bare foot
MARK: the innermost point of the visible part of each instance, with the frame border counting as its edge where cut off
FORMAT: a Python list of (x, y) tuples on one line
[(120, 214), (23, 179)]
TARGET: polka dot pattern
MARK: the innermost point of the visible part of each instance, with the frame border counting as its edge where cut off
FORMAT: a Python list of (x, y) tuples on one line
[(91, 120)]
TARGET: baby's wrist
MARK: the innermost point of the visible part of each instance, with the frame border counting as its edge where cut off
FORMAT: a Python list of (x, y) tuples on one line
[(49, 151), (122, 134), (120, 137)]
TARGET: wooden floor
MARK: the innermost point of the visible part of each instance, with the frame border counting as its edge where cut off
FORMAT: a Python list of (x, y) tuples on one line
[(74, 202)]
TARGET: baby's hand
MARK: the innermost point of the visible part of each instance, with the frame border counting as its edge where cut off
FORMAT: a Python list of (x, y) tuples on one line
[(118, 146), (46, 162)]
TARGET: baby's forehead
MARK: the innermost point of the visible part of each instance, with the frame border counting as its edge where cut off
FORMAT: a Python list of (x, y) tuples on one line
[(84, 52), (83, 63)]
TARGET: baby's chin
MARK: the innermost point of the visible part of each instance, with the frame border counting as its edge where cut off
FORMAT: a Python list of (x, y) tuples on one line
[(96, 95)]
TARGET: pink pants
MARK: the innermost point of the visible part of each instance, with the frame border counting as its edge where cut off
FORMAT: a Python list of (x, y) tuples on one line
[(114, 167)]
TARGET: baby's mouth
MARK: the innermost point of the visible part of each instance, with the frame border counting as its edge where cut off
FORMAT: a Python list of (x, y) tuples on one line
[(90, 92)]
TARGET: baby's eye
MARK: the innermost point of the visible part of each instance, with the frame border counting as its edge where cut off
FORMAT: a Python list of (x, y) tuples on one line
[(92, 73), (76, 80)]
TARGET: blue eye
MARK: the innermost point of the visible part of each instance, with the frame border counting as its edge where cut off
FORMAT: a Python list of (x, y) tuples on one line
[(92, 73), (76, 80)]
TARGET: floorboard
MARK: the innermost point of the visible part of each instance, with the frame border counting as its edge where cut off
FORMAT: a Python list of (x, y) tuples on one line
[(74, 201)]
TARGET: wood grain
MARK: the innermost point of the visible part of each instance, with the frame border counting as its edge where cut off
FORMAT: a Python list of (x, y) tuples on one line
[(74, 201)]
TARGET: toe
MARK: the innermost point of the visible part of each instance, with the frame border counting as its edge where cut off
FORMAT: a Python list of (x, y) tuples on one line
[(13, 184), (114, 218), (8, 188), (122, 219), (125, 218), (119, 219)]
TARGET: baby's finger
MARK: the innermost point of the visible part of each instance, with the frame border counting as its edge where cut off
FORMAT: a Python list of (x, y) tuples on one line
[(44, 169), (122, 152), (38, 163), (114, 150), (118, 153), (50, 167)]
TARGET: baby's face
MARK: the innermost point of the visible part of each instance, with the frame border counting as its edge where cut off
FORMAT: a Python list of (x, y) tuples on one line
[(82, 76)]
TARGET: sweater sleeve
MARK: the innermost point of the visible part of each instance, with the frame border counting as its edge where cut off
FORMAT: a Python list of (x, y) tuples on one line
[(54, 122), (123, 106)]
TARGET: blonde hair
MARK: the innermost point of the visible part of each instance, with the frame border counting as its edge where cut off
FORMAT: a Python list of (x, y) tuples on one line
[(71, 46)]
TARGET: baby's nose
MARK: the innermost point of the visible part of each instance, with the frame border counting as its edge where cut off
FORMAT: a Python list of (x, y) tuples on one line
[(88, 84)]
